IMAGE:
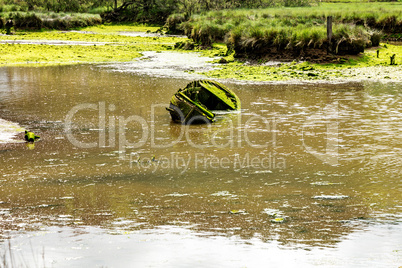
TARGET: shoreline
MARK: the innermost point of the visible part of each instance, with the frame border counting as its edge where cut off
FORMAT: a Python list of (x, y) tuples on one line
[(356, 75), (106, 44), (9, 132)]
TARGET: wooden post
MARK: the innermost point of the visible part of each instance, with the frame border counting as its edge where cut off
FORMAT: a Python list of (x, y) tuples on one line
[(329, 33), (392, 59)]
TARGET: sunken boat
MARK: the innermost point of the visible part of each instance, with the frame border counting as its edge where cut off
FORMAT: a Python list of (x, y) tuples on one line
[(196, 103)]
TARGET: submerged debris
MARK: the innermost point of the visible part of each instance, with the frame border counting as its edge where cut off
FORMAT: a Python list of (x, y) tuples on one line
[(236, 211), (30, 136), (195, 102), (278, 220)]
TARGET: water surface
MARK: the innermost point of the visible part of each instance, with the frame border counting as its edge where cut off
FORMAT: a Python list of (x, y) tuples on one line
[(300, 168)]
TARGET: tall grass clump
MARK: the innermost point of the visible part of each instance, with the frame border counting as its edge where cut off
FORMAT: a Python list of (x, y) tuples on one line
[(51, 20), (253, 41), (205, 32), (173, 22), (350, 39), (27, 21), (62, 21)]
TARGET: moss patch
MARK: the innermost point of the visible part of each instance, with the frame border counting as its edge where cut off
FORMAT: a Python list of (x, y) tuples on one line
[(119, 48), (88, 36), (116, 48), (343, 68), (117, 28), (17, 54)]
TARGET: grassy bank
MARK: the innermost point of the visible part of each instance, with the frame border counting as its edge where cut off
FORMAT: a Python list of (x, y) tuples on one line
[(366, 66), (105, 43), (257, 32)]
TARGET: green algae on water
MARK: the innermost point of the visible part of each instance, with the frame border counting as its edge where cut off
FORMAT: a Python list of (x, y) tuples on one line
[(93, 44), (21, 54), (89, 37), (117, 28)]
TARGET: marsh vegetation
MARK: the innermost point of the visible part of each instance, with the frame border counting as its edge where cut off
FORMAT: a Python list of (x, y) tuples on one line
[(281, 29), (236, 33), (49, 20), (293, 31)]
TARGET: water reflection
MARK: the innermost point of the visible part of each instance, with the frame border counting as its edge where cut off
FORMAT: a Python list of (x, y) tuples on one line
[(171, 246), (324, 158)]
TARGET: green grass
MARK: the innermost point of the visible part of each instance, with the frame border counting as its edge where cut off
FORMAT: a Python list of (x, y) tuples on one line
[(338, 10)]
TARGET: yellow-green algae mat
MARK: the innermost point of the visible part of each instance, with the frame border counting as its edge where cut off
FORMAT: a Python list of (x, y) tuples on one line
[(106, 43), (365, 66), (91, 45)]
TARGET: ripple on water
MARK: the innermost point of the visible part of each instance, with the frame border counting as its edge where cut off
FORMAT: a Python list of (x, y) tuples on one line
[(177, 194), (224, 194), (330, 197)]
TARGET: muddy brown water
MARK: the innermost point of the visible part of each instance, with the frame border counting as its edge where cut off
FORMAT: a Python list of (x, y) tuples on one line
[(302, 166)]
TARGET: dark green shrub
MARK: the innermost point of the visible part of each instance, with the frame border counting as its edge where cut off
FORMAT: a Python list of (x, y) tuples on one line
[(2, 22), (26, 21), (62, 24)]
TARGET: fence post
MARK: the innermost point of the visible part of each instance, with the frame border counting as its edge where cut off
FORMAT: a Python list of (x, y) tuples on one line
[(329, 33)]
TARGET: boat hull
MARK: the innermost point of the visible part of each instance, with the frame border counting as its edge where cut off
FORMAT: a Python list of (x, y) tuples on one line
[(194, 103)]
